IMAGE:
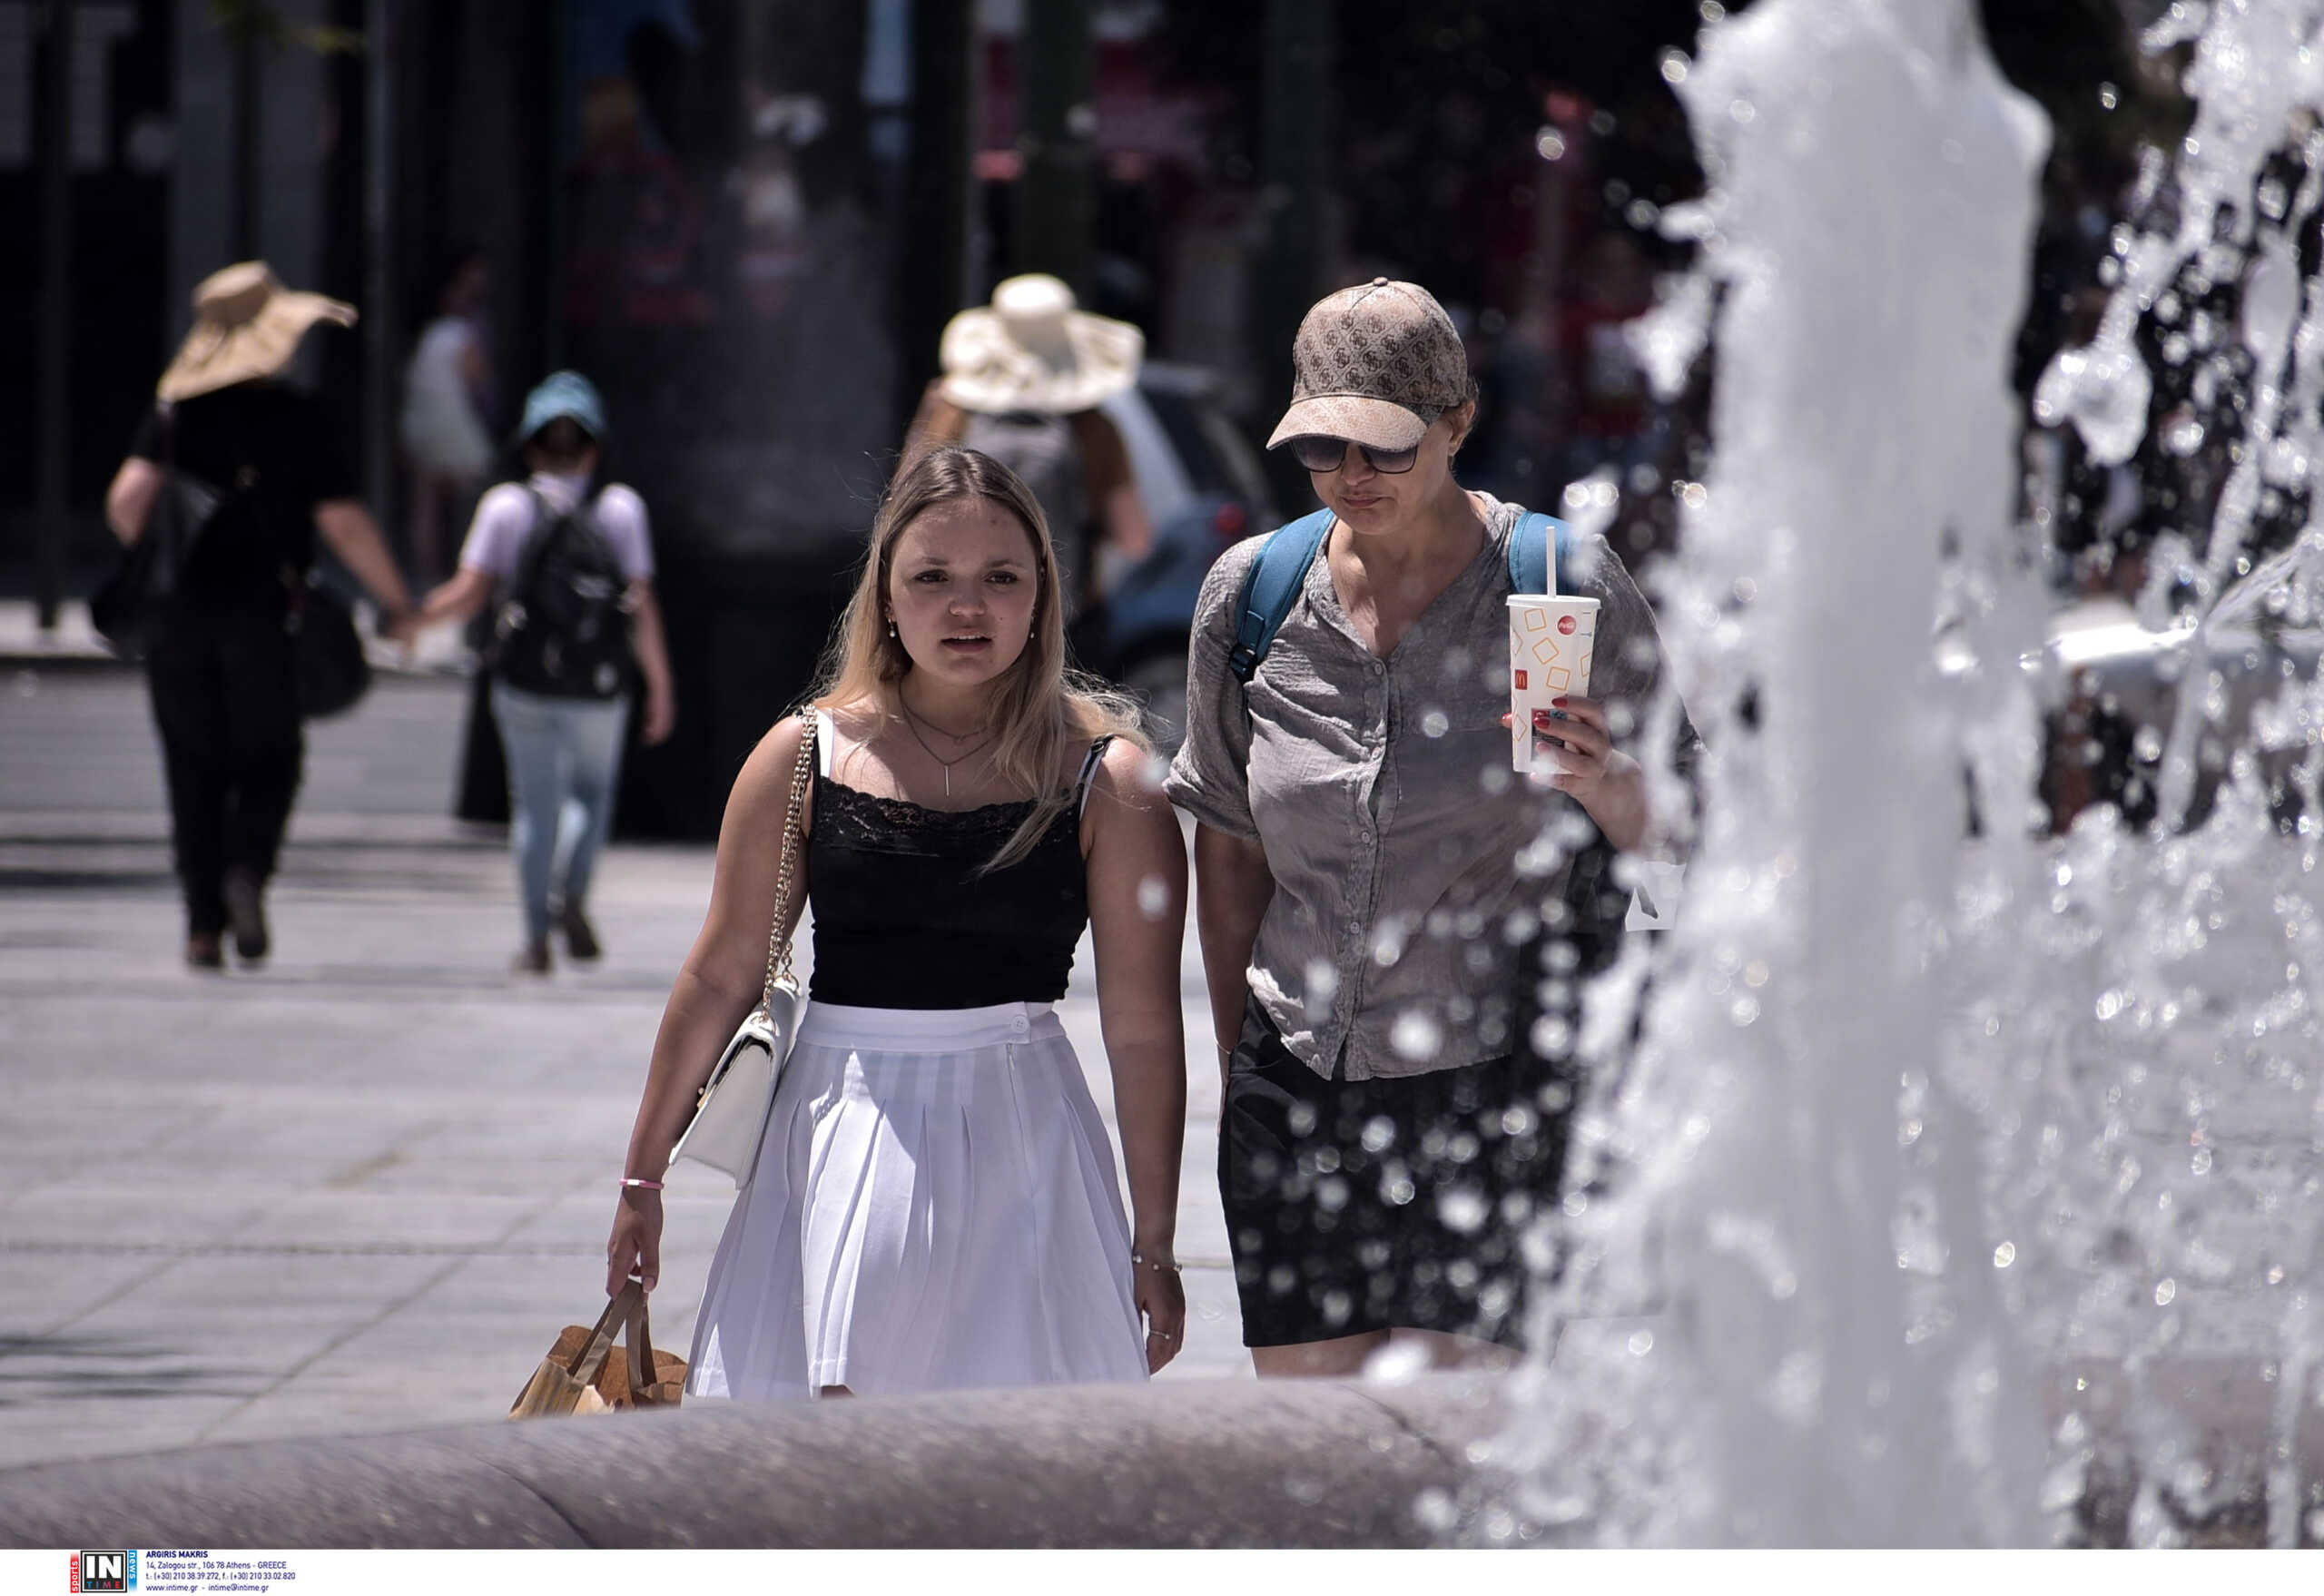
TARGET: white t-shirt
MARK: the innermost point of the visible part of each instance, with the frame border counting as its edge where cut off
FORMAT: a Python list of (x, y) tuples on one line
[(505, 518), (441, 429)]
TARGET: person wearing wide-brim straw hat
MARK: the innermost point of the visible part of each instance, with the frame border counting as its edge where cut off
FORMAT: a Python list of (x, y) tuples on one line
[(1022, 382), (219, 661), (1391, 1124)]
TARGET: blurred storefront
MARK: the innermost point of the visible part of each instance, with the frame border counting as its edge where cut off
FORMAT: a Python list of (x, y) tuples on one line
[(749, 221)]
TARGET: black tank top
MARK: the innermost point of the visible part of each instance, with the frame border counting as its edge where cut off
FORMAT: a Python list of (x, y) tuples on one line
[(904, 920)]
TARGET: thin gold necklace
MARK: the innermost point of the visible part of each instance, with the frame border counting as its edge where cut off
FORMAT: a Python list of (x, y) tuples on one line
[(912, 726)]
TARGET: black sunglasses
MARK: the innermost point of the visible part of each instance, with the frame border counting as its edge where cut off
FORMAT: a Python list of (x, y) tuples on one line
[(1327, 454)]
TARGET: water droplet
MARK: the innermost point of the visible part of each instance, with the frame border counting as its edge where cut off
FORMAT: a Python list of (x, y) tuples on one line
[(1154, 897), (1674, 67), (1641, 1342), (1550, 144), (1435, 1511), (1416, 1036), (2004, 1254), (1462, 1209), (1322, 982), (2147, 744), (1517, 1121), (2165, 1291), (1379, 1133), (1435, 723), (1399, 1191)]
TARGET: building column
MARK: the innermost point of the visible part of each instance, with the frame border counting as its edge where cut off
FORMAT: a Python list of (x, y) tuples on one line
[(1056, 197)]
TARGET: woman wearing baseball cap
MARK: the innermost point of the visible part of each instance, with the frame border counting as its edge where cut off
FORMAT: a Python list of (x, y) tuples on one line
[(571, 573), (1388, 1133)]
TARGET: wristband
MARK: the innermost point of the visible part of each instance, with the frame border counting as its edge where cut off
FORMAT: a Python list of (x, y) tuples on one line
[(640, 1185)]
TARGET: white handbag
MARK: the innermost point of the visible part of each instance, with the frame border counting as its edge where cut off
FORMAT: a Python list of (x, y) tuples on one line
[(730, 1116)]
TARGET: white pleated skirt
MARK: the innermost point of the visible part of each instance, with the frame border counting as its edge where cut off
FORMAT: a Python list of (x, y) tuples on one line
[(934, 1208)]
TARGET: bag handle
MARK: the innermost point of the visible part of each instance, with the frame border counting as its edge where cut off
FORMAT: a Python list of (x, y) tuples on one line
[(778, 941), (640, 1336), (626, 1306)]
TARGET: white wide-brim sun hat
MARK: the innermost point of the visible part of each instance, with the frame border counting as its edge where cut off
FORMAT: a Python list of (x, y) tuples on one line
[(246, 326), (1032, 350)]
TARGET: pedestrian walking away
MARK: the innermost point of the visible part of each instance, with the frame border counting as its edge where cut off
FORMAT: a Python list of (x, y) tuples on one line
[(446, 387), (253, 461), (934, 1205), (1387, 1133), (1023, 380), (571, 576)]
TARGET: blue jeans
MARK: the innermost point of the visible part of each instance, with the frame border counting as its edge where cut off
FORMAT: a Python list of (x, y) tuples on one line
[(563, 764)]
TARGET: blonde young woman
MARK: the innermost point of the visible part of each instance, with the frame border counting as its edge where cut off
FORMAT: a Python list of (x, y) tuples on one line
[(935, 1204)]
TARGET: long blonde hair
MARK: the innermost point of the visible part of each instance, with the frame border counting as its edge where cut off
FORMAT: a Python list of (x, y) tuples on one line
[(1042, 706)]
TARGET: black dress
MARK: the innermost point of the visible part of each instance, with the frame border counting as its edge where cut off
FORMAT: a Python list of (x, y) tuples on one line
[(218, 667)]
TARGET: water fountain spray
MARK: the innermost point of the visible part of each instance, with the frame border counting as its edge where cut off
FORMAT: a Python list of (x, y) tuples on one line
[(1950, 1185)]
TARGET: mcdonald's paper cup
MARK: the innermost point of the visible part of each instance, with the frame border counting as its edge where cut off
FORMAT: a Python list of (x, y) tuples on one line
[(1550, 641)]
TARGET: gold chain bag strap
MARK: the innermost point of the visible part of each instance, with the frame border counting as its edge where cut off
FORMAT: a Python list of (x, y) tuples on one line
[(730, 1118)]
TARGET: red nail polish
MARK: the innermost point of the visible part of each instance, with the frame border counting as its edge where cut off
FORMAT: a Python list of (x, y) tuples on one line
[(1558, 703)]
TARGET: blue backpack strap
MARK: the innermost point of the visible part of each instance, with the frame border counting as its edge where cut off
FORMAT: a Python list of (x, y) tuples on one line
[(1529, 554), (1272, 588)]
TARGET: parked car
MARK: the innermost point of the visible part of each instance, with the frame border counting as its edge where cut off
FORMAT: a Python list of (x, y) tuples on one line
[(1204, 491)]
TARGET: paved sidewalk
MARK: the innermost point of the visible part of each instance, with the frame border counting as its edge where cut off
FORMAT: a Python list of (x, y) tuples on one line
[(360, 1188), (72, 639)]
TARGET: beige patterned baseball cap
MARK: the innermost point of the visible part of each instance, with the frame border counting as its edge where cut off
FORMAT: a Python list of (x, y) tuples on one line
[(1376, 363)]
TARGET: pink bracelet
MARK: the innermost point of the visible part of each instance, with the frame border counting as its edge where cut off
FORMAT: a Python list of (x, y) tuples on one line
[(640, 1185)]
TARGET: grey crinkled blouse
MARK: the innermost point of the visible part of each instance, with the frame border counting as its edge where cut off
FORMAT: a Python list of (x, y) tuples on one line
[(1381, 793)]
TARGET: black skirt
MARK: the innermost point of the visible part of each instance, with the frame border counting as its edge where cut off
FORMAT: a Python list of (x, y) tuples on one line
[(1354, 1205)]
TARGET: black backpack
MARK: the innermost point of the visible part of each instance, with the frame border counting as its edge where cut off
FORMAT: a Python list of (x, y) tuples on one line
[(563, 630)]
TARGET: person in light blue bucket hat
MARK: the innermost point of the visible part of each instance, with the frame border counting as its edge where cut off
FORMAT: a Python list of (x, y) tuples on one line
[(571, 576)]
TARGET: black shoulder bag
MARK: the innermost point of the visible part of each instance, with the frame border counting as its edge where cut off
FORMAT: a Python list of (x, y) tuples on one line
[(128, 603), (327, 662)]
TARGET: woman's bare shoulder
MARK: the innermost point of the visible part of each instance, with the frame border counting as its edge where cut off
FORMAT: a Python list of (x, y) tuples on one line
[(1128, 777), (767, 773)]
